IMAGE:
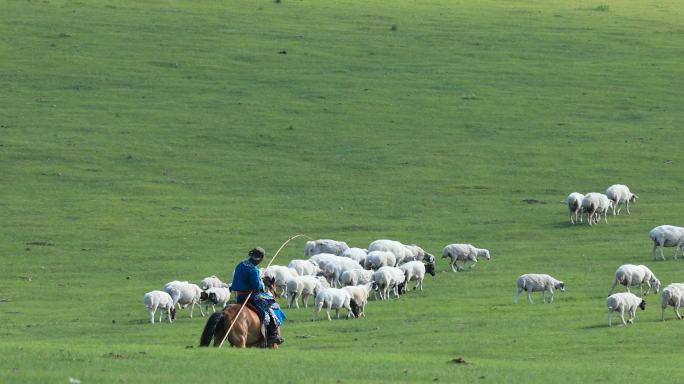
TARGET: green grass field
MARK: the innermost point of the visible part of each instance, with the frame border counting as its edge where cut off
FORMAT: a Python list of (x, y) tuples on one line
[(147, 141)]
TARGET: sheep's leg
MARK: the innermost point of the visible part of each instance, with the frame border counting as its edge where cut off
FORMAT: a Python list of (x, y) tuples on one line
[(421, 285), (676, 310), (655, 245), (632, 315), (151, 312), (317, 309), (453, 266), (610, 317), (622, 316), (662, 313), (168, 313), (544, 296), (678, 247), (529, 297), (627, 206), (551, 290), (327, 312), (337, 313), (605, 216), (613, 287), (517, 296)]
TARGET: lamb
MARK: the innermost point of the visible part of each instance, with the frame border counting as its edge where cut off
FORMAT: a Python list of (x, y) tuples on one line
[(359, 295), (672, 295), (281, 274), (377, 259), (667, 236), (161, 300), (621, 302), (533, 282), (332, 298), (357, 254), (215, 295), (303, 267), (631, 275), (415, 270), (388, 279), (212, 282), (574, 201), (620, 194), (303, 286), (184, 294), (594, 204), (465, 252), (355, 277), (325, 246)]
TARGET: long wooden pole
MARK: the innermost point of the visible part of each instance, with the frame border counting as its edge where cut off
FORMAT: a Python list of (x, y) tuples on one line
[(250, 294)]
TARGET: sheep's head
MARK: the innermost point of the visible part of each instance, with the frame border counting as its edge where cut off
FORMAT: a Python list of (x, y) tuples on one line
[(430, 268), (401, 287), (428, 258), (633, 198), (173, 313), (484, 253), (204, 296), (642, 305), (560, 285), (656, 284), (213, 298)]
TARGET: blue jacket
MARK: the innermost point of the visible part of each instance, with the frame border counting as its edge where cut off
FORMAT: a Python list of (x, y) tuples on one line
[(247, 277)]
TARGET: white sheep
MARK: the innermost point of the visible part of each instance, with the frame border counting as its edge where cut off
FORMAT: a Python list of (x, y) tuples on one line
[(377, 259), (416, 253), (357, 254), (464, 252), (534, 282), (399, 250), (574, 201), (281, 274), (415, 271), (631, 275), (215, 295), (389, 279), (161, 300), (332, 298), (624, 301), (667, 236), (184, 294), (303, 267), (594, 205), (672, 295), (324, 246), (304, 286), (322, 259), (334, 270), (620, 194), (355, 277), (359, 296), (211, 282)]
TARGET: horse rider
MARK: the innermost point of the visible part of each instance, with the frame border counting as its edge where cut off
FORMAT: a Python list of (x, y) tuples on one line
[(246, 280)]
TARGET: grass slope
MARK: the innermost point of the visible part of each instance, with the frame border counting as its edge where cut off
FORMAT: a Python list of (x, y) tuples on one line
[(142, 142)]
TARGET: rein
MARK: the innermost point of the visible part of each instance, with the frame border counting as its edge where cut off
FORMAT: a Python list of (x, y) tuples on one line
[(250, 293)]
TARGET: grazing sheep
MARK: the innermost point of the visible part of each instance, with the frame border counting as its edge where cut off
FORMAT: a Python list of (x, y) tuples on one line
[(672, 295), (388, 279), (399, 250), (334, 270), (377, 259), (594, 205), (533, 282), (357, 254), (415, 270), (631, 275), (624, 301), (161, 300), (332, 298), (355, 277), (325, 246), (667, 236), (212, 282), (359, 295), (215, 295), (465, 252), (416, 253), (620, 194), (281, 274), (184, 294), (322, 259), (303, 267), (574, 201), (303, 286)]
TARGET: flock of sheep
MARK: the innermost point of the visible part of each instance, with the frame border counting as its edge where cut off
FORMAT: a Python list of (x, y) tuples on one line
[(593, 205), (338, 276)]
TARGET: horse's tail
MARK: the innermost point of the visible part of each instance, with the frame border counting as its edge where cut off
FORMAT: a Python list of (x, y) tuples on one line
[(210, 328)]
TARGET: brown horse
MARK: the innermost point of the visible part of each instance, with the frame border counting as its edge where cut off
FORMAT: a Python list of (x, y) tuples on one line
[(246, 331)]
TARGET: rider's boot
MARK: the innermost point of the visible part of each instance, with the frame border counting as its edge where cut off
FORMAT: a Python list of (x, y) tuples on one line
[(272, 336)]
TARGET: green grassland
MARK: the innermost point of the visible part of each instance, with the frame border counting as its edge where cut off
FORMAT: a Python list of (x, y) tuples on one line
[(146, 141)]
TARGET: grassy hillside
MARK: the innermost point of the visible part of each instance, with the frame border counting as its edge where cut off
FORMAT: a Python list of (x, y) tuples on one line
[(142, 142)]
